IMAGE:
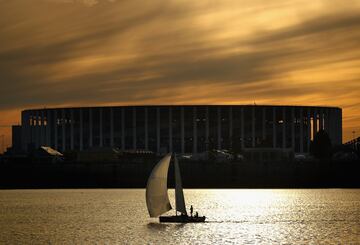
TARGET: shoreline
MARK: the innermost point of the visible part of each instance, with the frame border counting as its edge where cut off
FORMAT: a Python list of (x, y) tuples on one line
[(200, 175)]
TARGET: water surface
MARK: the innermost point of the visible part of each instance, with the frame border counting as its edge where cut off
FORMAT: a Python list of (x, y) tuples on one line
[(241, 216)]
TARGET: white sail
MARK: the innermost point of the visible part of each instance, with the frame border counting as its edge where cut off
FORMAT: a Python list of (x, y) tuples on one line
[(157, 199), (179, 194)]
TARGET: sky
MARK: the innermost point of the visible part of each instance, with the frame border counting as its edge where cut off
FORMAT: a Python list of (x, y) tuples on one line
[(137, 52)]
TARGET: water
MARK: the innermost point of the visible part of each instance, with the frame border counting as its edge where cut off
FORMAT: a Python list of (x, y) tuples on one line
[(233, 216)]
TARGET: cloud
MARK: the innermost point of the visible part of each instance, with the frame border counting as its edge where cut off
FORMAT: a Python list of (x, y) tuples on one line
[(88, 3), (72, 52)]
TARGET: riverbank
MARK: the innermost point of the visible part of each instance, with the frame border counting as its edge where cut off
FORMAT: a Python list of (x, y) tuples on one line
[(195, 174)]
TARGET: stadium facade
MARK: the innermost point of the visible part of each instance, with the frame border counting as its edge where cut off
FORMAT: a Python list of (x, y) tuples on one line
[(181, 129)]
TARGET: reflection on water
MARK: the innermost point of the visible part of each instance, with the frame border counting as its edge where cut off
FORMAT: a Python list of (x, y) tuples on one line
[(157, 226), (233, 216), (163, 226)]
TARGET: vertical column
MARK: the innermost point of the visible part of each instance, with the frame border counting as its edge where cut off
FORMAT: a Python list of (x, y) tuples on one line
[(274, 126), (81, 129), (134, 128), (72, 129), (333, 134), (219, 127), (63, 124), (29, 129), (182, 130), (37, 131), (158, 129), (207, 128), (321, 119), (31, 123), (34, 126), (264, 123), (326, 121), (338, 126), (242, 128), (253, 126), (314, 123), (170, 130), (24, 130), (146, 129), (91, 128), (293, 128), (123, 128), (111, 127), (308, 129), (42, 129), (301, 124), (333, 126), (284, 128), (48, 128), (231, 126), (194, 130), (56, 122), (101, 139)]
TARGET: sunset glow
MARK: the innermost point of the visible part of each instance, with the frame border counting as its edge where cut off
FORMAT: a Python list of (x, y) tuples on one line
[(110, 52)]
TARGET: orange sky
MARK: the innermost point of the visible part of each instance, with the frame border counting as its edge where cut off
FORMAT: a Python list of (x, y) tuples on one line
[(102, 52)]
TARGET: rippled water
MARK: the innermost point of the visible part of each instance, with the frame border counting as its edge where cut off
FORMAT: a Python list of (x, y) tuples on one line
[(233, 216)]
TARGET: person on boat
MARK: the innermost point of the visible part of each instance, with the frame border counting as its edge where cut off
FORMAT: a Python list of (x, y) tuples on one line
[(191, 210), (196, 214)]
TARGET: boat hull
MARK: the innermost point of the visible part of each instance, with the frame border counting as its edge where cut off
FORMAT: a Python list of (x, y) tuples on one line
[(181, 219)]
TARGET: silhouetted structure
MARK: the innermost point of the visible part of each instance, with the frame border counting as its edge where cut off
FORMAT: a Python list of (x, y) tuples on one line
[(321, 145), (354, 144), (181, 129)]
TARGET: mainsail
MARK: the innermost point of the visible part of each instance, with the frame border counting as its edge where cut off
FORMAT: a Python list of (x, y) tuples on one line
[(157, 199), (179, 194)]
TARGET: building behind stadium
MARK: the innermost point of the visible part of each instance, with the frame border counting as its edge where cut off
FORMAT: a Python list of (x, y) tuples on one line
[(188, 129)]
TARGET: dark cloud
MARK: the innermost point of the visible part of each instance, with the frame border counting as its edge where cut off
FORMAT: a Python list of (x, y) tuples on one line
[(135, 52)]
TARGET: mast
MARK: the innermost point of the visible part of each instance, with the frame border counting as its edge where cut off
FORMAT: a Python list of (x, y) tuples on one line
[(179, 194)]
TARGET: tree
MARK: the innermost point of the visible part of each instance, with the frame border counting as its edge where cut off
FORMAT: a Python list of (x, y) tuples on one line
[(321, 145)]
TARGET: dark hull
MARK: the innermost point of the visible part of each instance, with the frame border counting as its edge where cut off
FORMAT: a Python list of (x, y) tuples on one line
[(181, 219)]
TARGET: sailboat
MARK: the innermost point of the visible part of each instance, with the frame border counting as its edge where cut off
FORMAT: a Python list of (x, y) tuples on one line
[(157, 198)]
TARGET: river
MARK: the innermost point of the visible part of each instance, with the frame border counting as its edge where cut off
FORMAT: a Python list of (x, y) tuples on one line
[(234, 216)]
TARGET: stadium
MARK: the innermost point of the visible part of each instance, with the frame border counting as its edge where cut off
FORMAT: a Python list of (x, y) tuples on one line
[(178, 128)]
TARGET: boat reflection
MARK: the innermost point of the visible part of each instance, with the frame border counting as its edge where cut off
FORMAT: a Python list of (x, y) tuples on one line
[(163, 226)]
